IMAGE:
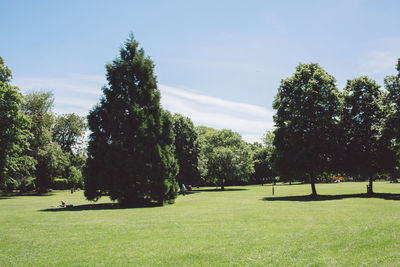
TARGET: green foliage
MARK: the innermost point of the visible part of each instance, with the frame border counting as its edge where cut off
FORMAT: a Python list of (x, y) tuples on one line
[(27, 185), (68, 131), (15, 165), (263, 156), (392, 125), (60, 184), (225, 158), (187, 150), (75, 178), (306, 123), (366, 151), (38, 107), (131, 152)]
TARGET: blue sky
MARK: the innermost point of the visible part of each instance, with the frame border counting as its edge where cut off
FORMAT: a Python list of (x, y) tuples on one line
[(218, 62)]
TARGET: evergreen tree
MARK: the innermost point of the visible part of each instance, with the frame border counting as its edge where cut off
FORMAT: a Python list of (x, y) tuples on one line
[(306, 123), (131, 147)]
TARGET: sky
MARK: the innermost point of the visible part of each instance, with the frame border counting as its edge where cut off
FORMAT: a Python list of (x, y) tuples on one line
[(218, 62)]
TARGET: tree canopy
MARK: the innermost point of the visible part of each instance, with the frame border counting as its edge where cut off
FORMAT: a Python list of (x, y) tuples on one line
[(306, 107), (15, 163), (131, 148), (187, 150), (224, 157), (362, 120), (68, 131), (392, 125), (38, 107)]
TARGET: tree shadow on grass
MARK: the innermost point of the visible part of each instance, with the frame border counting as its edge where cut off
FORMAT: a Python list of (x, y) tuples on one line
[(102, 206), (385, 196)]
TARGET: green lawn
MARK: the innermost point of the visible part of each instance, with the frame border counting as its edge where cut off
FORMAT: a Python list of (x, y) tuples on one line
[(242, 226)]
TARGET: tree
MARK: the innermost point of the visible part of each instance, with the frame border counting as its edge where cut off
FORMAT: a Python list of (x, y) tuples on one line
[(306, 123), (131, 148), (262, 155), (187, 150), (392, 125), (362, 121), (68, 131), (15, 165), (38, 107), (225, 157)]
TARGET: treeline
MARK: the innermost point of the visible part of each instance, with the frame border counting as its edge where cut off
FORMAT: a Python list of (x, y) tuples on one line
[(320, 131), (138, 153), (38, 149)]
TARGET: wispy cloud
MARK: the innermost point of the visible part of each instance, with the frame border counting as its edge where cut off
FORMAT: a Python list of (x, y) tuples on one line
[(250, 121), (79, 93), (76, 83), (75, 93)]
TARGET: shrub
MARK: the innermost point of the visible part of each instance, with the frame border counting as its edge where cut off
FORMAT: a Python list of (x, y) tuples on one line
[(60, 184), (27, 185)]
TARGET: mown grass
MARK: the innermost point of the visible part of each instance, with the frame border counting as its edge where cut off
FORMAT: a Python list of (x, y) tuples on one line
[(242, 226)]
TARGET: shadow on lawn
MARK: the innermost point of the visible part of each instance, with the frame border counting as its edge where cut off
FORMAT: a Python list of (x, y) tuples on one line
[(385, 196), (101, 206)]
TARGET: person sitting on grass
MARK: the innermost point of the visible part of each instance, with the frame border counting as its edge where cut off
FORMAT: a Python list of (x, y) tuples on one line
[(64, 205)]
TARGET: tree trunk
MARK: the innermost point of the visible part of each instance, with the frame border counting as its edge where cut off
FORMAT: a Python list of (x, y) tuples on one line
[(222, 183), (370, 186), (312, 181)]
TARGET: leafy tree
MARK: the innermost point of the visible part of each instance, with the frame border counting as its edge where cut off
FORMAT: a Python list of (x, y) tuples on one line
[(15, 165), (262, 155), (225, 157), (306, 123), (131, 148), (68, 131), (362, 121), (187, 150), (38, 106), (392, 126)]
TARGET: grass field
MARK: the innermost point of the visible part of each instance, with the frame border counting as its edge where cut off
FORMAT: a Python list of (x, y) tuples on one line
[(242, 226)]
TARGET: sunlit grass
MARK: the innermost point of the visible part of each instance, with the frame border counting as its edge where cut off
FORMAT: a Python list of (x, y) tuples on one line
[(244, 226)]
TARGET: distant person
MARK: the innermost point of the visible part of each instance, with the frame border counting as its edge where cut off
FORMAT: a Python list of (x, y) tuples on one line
[(183, 189), (190, 187), (64, 205)]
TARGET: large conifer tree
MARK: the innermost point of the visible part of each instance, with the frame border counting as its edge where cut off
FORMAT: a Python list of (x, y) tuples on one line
[(131, 152)]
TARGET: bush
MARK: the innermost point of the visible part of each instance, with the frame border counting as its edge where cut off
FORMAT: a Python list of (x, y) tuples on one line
[(10, 185), (60, 184), (75, 178), (27, 185)]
